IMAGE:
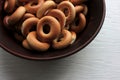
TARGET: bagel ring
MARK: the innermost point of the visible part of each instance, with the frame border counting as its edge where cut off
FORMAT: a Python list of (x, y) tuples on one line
[(59, 15), (35, 44), (33, 8), (69, 10), (45, 7), (19, 25), (64, 41), (28, 24), (9, 6), (81, 25), (53, 27), (15, 17)]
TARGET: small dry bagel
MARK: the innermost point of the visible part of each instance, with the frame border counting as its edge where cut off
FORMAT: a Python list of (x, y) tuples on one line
[(31, 8), (47, 5), (10, 21), (9, 6), (19, 25), (26, 45), (52, 26), (15, 17), (35, 44), (68, 9), (64, 41), (79, 26), (28, 24), (59, 15)]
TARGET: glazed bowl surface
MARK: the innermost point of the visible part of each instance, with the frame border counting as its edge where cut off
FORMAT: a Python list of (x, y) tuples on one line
[(95, 19)]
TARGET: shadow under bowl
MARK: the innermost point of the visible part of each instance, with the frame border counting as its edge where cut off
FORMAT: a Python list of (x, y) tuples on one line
[(95, 19)]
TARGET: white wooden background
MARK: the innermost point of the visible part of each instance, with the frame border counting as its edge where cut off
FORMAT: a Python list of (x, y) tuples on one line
[(100, 60)]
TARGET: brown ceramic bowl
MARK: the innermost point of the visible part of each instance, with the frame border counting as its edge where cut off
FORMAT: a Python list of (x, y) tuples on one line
[(95, 18)]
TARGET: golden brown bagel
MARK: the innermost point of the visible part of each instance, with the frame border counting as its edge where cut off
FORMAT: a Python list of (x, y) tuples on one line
[(35, 44), (31, 8), (15, 17), (9, 6), (59, 15), (9, 21), (28, 24), (64, 41), (19, 25), (53, 26), (79, 26), (69, 10), (47, 5)]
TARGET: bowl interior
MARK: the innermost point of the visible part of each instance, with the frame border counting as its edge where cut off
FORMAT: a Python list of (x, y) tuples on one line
[(95, 18)]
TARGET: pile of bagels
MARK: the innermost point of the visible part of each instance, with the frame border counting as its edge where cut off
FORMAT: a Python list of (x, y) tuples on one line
[(43, 24)]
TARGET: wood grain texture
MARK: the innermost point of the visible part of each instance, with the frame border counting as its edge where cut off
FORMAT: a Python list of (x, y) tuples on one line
[(100, 60)]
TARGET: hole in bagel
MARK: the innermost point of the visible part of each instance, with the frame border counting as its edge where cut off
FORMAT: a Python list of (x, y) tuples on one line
[(77, 21), (60, 37), (57, 1), (34, 4), (46, 28), (66, 11), (57, 18), (33, 28)]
